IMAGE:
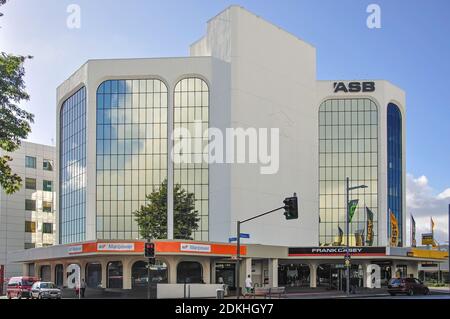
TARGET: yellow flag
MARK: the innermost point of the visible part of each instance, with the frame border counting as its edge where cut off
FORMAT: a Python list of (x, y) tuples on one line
[(394, 230)]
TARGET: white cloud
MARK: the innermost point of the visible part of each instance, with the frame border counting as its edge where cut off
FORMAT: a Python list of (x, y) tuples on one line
[(445, 194), (423, 203)]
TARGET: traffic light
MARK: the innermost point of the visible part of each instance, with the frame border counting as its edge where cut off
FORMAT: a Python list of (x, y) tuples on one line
[(149, 250), (291, 207)]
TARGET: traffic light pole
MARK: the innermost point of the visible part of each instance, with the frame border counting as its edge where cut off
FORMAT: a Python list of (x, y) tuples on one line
[(238, 258), (148, 278), (149, 253), (238, 247)]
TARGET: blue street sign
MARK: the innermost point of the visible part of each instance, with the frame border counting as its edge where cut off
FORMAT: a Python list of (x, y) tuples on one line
[(243, 235)]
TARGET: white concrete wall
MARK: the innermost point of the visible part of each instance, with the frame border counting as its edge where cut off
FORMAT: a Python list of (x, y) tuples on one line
[(172, 291), (272, 86)]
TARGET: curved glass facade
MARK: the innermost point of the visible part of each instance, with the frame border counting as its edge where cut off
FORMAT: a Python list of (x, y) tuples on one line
[(191, 111), (348, 147), (131, 151), (72, 200), (394, 175)]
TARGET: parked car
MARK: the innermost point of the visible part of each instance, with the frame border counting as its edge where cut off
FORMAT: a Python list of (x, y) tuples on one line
[(20, 287), (409, 286), (45, 290)]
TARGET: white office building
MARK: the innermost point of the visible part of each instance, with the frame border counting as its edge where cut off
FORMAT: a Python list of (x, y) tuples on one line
[(27, 217), (116, 118)]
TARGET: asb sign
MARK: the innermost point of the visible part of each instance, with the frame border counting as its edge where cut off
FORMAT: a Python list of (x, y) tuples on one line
[(354, 87)]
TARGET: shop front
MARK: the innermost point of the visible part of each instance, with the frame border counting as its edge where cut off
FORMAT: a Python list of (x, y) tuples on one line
[(121, 265), (324, 267)]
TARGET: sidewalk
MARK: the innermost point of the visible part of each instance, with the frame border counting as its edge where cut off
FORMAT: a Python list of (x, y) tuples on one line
[(334, 294), (321, 293), (444, 290)]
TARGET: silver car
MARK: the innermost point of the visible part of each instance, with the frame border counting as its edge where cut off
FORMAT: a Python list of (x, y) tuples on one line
[(45, 290)]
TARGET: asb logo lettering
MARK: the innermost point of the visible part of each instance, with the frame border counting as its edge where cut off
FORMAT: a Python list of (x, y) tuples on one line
[(354, 87)]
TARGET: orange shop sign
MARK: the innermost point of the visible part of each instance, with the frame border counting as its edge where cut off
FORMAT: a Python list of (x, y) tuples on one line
[(105, 247), (162, 247)]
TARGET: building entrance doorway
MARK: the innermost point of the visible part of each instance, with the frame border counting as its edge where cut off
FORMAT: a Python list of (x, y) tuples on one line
[(294, 275), (225, 273), (334, 276)]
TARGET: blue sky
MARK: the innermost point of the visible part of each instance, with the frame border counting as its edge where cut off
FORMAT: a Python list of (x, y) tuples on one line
[(412, 50)]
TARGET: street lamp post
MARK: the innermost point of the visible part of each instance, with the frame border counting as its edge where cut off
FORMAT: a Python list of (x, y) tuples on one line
[(347, 255)]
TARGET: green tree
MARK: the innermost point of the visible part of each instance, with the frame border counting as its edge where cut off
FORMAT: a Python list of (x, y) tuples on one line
[(15, 123), (2, 2), (152, 217)]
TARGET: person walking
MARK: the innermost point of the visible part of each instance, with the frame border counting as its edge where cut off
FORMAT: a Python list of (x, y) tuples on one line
[(83, 287), (248, 285)]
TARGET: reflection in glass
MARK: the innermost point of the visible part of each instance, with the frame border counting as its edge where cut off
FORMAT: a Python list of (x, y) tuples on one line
[(191, 104), (189, 272), (348, 147), (394, 154), (131, 151), (115, 275), (73, 168), (139, 273)]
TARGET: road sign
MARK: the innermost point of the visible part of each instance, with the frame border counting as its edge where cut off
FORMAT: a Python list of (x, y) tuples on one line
[(243, 235)]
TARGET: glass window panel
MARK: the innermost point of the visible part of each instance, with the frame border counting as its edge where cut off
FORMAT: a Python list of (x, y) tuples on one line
[(73, 161), (347, 150), (135, 120), (190, 105)]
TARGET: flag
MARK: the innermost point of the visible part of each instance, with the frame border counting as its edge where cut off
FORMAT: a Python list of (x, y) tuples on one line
[(352, 205), (413, 232), (432, 226), (394, 230), (359, 237), (369, 236), (340, 236)]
